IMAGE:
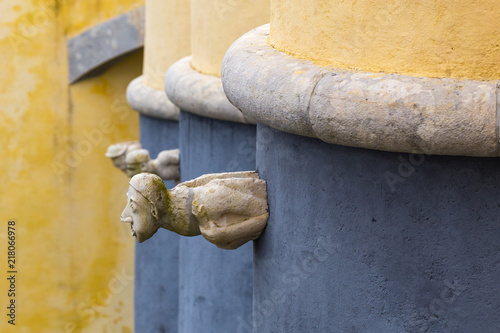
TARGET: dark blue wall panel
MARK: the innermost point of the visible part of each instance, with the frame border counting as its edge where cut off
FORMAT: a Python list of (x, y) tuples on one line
[(215, 284), (368, 241), (157, 260)]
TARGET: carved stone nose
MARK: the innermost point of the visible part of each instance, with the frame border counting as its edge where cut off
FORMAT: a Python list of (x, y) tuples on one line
[(126, 219)]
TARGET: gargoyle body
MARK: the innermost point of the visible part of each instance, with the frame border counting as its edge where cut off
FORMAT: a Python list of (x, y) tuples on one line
[(166, 165), (119, 151), (228, 209), (132, 159)]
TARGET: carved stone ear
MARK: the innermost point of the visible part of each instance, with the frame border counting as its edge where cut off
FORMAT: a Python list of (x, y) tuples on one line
[(154, 211)]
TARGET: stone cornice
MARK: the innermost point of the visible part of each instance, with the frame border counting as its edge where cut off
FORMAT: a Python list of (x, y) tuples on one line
[(98, 46), (149, 101), (387, 112), (199, 93)]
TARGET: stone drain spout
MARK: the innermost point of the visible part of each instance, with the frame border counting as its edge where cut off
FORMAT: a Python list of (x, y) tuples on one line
[(228, 209)]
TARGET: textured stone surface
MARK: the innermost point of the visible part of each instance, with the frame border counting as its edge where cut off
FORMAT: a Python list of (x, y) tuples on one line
[(132, 159), (105, 42), (367, 241), (376, 111), (215, 285), (269, 86), (149, 101), (397, 113), (156, 299), (229, 209), (118, 152), (166, 165), (199, 93)]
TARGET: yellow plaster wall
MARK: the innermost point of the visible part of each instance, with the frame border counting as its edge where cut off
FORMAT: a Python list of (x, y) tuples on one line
[(216, 24), (74, 258), (434, 38), (103, 272), (83, 14)]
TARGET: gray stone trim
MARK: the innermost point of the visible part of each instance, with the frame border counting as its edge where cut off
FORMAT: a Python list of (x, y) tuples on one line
[(388, 112), (149, 101), (105, 42), (199, 93)]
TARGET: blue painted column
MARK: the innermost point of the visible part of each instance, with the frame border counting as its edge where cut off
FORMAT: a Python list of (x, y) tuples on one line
[(157, 260), (215, 292), (369, 241)]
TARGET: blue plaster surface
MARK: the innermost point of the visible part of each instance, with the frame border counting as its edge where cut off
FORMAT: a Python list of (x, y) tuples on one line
[(215, 285), (156, 294), (350, 247)]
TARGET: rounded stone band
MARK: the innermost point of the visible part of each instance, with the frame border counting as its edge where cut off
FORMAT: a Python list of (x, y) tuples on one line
[(149, 101), (389, 112), (199, 93)]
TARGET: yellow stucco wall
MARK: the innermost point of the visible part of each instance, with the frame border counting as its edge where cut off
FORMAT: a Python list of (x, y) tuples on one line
[(216, 24), (74, 258), (434, 38), (82, 14)]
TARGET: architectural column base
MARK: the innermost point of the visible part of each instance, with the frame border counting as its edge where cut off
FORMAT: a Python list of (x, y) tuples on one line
[(149, 101), (387, 112), (200, 94)]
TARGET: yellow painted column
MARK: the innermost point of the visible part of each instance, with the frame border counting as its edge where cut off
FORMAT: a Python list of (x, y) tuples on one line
[(403, 76), (216, 24), (166, 38), (429, 38)]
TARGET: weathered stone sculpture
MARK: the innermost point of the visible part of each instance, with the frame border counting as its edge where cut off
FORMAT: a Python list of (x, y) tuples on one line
[(166, 165), (228, 209), (132, 159), (118, 153)]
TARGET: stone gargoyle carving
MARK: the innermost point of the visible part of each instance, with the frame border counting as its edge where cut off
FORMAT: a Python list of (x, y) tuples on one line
[(228, 209), (166, 165), (132, 159), (118, 153)]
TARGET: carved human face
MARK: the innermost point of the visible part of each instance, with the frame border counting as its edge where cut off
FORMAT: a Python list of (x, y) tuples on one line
[(141, 214)]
